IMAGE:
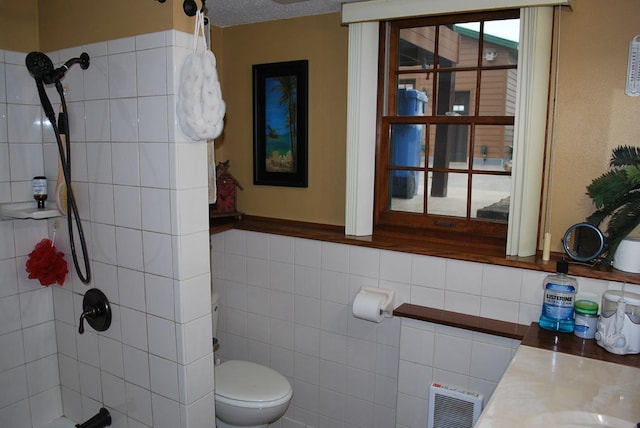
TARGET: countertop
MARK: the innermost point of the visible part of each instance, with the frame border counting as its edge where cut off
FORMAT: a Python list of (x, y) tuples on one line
[(548, 385)]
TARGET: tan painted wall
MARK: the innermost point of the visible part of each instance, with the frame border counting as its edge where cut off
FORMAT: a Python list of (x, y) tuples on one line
[(18, 25), (322, 41), (593, 115)]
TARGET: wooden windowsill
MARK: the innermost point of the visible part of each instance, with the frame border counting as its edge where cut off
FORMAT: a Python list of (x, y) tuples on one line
[(418, 245)]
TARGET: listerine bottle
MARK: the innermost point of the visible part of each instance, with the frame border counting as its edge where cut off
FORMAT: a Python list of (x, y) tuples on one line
[(559, 292)]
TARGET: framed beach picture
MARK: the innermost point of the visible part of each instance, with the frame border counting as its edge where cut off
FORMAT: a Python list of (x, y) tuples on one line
[(280, 110)]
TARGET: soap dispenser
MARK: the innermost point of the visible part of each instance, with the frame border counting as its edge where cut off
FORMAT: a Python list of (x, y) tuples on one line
[(558, 300)]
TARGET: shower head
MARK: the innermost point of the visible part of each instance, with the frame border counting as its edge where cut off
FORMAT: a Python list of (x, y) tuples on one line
[(41, 67)]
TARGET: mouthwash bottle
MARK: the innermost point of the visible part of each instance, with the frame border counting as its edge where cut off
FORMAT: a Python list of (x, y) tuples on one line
[(558, 299)]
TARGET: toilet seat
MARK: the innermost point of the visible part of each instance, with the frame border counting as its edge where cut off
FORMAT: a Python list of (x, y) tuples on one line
[(247, 384)]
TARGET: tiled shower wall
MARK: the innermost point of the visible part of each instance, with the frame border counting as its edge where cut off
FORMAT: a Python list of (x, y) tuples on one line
[(142, 193), (286, 303)]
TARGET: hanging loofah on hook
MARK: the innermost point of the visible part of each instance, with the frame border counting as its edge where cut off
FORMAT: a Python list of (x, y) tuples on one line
[(200, 107), (47, 264)]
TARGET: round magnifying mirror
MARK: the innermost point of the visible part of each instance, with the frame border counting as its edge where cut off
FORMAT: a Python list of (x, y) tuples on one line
[(583, 242)]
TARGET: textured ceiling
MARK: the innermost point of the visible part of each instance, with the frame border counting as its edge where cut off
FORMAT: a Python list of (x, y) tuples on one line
[(227, 13)]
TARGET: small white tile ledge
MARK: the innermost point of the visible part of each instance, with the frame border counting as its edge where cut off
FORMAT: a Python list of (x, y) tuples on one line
[(24, 210)]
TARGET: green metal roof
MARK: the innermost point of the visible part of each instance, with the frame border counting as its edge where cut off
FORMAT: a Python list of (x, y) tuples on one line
[(488, 38)]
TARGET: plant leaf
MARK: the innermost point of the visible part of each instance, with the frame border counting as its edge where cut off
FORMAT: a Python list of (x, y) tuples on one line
[(607, 188), (625, 156)]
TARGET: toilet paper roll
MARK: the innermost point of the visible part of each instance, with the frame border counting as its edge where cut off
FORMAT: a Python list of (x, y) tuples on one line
[(368, 306)]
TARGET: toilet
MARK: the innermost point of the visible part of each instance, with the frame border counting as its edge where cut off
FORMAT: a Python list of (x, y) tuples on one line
[(247, 394)]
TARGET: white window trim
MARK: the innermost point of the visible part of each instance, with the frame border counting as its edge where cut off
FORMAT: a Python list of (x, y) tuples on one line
[(536, 24)]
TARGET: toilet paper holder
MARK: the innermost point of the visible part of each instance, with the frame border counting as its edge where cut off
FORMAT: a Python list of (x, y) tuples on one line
[(387, 306)]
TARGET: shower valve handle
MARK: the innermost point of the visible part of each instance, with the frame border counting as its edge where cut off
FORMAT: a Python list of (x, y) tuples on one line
[(96, 311)]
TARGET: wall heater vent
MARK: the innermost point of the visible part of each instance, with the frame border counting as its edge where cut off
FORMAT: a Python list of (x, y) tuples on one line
[(450, 407)]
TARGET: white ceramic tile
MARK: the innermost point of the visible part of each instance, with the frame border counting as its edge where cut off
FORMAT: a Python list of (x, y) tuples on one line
[(257, 272), (334, 316), (281, 248), (428, 271), (333, 347), (129, 249), (331, 403), (3, 90), (97, 119), (151, 40), (195, 338), (281, 276), (69, 376), (257, 327), (72, 404), (236, 242), (307, 281), (36, 307), (200, 413), (281, 305), (188, 165), (166, 412), (42, 374), (306, 396), (139, 404), (334, 286), (191, 257), (125, 44), (12, 354), (151, 69), (90, 382), (307, 340), (499, 309), (387, 360), (9, 276), (235, 321), (96, 79), (126, 168), (134, 328), (76, 111), (45, 406), (122, 75), (360, 383), (127, 208), (96, 49), (20, 86), (236, 268), (411, 411), (88, 351), (158, 253), (364, 262), (154, 165), (464, 277), (6, 236), (282, 361), (452, 354), (99, 163), (414, 379), (361, 329), (23, 123), (395, 266), (501, 282), (489, 362), (282, 333), (190, 211), (196, 379), (193, 298), (14, 383), (162, 337), (26, 161), (101, 203), (417, 345), (156, 210), (462, 302), (124, 120), (386, 393), (113, 392), (335, 257), (111, 356), (131, 288), (160, 296), (164, 377), (103, 243), (257, 244), (426, 296), (306, 311), (361, 354), (136, 366), (258, 300), (152, 119), (27, 233), (39, 341)]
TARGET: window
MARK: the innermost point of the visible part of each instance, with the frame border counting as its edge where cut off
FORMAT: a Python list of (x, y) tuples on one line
[(445, 144)]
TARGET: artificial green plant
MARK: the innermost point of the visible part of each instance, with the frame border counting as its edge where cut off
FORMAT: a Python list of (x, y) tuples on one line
[(616, 196)]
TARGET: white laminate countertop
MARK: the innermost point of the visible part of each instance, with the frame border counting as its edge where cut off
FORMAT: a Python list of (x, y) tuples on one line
[(543, 388)]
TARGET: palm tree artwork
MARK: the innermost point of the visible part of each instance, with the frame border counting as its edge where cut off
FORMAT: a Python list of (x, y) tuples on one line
[(281, 107), (616, 196)]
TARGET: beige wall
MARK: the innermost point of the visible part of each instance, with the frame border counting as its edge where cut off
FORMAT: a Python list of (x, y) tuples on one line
[(593, 114), (324, 42)]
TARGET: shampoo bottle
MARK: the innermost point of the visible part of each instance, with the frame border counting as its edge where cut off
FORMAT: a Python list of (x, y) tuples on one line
[(559, 292)]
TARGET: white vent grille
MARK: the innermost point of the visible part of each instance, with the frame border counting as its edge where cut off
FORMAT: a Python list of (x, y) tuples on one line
[(450, 407)]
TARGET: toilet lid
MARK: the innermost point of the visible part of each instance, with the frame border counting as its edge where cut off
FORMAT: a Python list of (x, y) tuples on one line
[(247, 381)]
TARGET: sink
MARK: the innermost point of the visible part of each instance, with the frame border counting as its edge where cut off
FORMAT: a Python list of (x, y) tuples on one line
[(577, 419)]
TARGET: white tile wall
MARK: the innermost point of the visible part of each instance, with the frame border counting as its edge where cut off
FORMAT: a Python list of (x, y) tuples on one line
[(286, 303), (150, 367)]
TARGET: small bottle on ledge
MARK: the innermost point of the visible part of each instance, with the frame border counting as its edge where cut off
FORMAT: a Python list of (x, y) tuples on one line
[(558, 300), (40, 190)]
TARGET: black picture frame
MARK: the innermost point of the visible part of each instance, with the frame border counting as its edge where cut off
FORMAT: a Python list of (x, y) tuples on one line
[(280, 141)]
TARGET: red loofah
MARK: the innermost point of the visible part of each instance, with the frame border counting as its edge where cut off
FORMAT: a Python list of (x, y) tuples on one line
[(46, 264)]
